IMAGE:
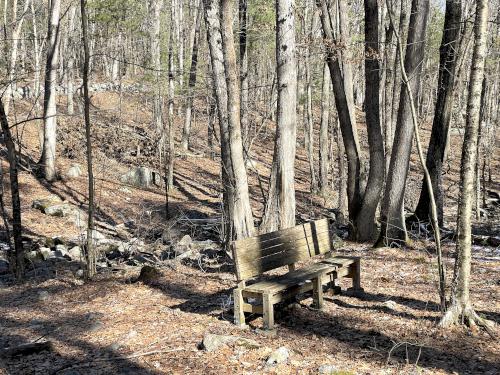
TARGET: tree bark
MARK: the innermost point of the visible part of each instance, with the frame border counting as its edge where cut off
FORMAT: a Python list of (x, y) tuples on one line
[(18, 258), (243, 18), (280, 207), (154, 36), (324, 163), (461, 308), (442, 114), (91, 254), (365, 225), (345, 109), (48, 159), (191, 84), (238, 213), (393, 229)]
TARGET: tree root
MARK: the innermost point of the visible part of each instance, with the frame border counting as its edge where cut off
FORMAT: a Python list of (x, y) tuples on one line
[(459, 314)]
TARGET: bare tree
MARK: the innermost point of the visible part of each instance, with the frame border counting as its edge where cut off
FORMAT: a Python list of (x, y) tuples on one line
[(48, 159), (17, 259), (448, 53), (393, 229), (323, 132), (91, 255), (192, 83), (365, 226), (243, 18), (237, 209), (460, 309), (280, 208)]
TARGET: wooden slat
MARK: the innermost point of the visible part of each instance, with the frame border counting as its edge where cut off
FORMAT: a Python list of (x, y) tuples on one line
[(258, 248), (299, 230), (290, 279), (315, 246), (289, 255)]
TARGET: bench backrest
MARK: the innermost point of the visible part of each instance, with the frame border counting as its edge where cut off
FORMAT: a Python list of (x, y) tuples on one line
[(255, 255)]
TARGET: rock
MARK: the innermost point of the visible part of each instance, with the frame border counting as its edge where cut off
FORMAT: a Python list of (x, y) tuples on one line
[(212, 342), (76, 253), (61, 210), (327, 370), (43, 295), (390, 304), (122, 232), (494, 241), (73, 172), (204, 245), (140, 176), (149, 274), (34, 256), (61, 252), (42, 204), (45, 252), (280, 355), (183, 245), (80, 274), (95, 326)]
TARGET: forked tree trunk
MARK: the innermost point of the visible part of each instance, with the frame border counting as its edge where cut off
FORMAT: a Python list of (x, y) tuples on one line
[(393, 229), (442, 114), (324, 164), (365, 225), (48, 159), (460, 309), (238, 213), (18, 258), (191, 84), (280, 208)]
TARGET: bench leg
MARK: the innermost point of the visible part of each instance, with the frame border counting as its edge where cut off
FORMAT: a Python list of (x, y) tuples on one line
[(268, 311), (318, 292), (239, 314)]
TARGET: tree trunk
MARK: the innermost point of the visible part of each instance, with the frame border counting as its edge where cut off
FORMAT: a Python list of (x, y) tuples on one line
[(17, 25), (191, 85), (323, 132), (91, 254), (280, 207), (309, 123), (169, 175), (461, 307), (442, 113), (70, 60), (238, 213), (243, 18), (345, 110), (154, 36), (48, 159), (393, 229), (18, 258), (365, 221)]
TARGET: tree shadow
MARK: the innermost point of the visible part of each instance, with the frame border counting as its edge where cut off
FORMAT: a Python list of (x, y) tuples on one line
[(95, 359)]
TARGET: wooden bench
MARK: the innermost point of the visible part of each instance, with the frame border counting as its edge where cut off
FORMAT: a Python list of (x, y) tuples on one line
[(256, 255)]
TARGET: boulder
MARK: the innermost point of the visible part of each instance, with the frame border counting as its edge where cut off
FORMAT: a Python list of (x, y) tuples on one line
[(212, 342), (74, 171), (280, 355), (149, 274), (45, 252), (34, 256), (327, 370), (183, 245), (61, 252), (76, 253), (62, 210), (139, 176), (43, 203)]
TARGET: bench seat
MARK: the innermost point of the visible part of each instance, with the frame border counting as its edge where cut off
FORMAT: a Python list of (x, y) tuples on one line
[(256, 255)]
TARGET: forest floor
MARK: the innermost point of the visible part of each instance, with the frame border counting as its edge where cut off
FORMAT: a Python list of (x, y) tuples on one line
[(116, 325)]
